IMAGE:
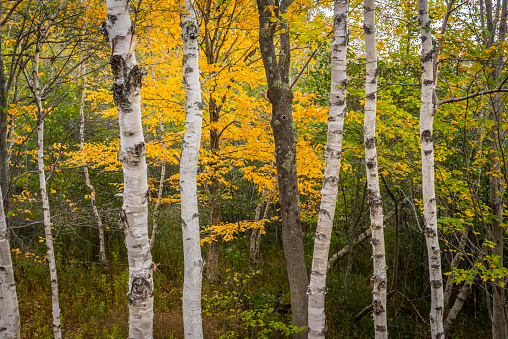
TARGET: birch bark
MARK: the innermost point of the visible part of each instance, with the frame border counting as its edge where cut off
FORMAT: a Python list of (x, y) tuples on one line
[(193, 263), (373, 191), (457, 305), (9, 310), (427, 110), (333, 151), (134, 212), (44, 195)]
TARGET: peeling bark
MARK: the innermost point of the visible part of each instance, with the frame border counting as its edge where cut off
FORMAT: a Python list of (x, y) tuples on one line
[(134, 213)]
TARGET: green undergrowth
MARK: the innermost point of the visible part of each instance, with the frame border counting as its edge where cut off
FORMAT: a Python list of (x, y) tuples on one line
[(245, 302)]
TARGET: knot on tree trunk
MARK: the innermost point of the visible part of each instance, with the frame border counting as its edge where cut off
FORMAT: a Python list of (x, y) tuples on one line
[(141, 289)]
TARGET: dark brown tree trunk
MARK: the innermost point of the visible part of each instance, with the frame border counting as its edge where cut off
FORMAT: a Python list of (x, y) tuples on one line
[(4, 127), (280, 95), (496, 184), (214, 192)]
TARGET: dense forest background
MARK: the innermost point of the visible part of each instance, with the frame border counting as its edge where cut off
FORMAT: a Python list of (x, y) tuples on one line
[(55, 67)]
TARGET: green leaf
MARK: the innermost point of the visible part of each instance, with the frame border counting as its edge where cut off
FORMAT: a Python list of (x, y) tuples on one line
[(486, 31)]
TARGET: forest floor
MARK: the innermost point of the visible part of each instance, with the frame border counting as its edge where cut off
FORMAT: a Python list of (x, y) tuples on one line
[(245, 303)]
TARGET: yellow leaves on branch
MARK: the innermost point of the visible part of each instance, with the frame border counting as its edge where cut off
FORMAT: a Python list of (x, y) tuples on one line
[(229, 231)]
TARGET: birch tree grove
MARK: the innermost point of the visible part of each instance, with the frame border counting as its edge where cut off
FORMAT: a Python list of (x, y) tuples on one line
[(333, 151), (9, 310), (374, 194), (193, 263), (427, 110), (276, 172), (133, 216)]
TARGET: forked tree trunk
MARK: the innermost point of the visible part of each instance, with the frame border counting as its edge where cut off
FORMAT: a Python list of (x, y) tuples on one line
[(44, 197), (427, 110), (333, 151), (373, 191), (9, 310), (193, 264), (134, 212), (281, 98), (253, 233), (98, 219), (255, 237)]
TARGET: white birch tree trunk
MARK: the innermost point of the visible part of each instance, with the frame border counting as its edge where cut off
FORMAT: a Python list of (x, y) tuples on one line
[(134, 213), (44, 197), (317, 284), (9, 310), (455, 262), (98, 219), (373, 191), (193, 263), (457, 305), (427, 110)]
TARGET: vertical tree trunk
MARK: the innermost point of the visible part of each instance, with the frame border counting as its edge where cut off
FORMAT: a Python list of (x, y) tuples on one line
[(454, 263), (9, 310), (134, 212), (427, 110), (213, 249), (373, 191), (333, 151), (496, 184), (281, 97), (155, 223), (102, 246), (254, 231), (193, 264), (44, 196), (255, 238), (499, 326), (457, 306), (4, 126)]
